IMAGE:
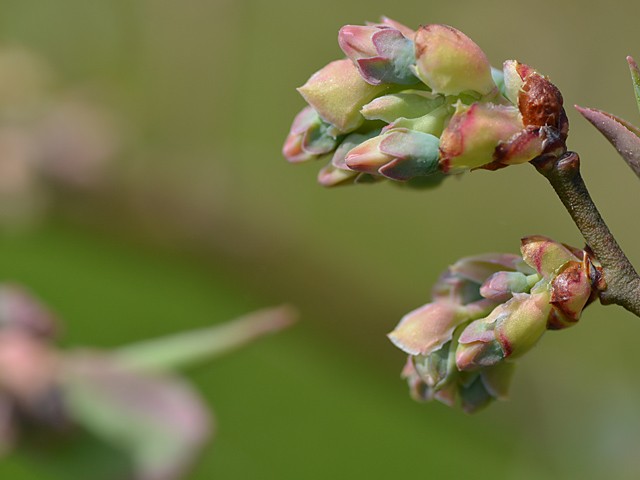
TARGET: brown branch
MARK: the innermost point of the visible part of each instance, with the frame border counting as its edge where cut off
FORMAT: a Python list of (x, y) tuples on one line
[(623, 282)]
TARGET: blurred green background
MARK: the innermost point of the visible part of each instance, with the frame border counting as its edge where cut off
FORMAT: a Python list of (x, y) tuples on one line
[(202, 220)]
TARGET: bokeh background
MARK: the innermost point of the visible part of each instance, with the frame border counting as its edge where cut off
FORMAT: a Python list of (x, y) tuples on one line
[(195, 218)]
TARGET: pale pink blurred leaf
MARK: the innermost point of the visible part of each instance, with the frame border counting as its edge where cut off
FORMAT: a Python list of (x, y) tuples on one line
[(158, 420)]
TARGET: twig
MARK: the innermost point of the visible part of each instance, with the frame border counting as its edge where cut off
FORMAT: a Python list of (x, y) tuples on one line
[(623, 282)]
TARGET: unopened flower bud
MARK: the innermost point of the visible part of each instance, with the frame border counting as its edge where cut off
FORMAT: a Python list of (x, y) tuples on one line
[(450, 62), (389, 22), (478, 268), (473, 134), (482, 387), (474, 395), (436, 369), (399, 154), (356, 41), (511, 330), (308, 138), (544, 254), (455, 288), (381, 53), (501, 286), (407, 104), (571, 289), (418, 389), (337, 172), (497, 379), (338, 92), (427, 328)]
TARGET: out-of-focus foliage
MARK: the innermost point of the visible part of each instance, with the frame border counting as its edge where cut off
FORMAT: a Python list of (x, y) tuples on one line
[(128, 398), (202, 219)]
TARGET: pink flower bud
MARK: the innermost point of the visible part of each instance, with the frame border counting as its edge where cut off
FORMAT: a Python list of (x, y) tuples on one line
[(337, 172), (356, 41), (427, 328), (398, 154), (473, 134), (381, 53), (302, 142), (450, 62), (330, 176), (367, 156)]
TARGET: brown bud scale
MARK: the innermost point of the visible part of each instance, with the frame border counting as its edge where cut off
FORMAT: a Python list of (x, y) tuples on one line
[(564, 288), (540, 103)]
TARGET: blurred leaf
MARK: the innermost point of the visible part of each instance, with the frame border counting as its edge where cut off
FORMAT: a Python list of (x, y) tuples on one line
[(188, 348), (624, 137), (158, 420)]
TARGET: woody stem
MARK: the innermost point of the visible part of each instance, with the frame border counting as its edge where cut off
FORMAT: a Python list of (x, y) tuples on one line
[(623, 282)]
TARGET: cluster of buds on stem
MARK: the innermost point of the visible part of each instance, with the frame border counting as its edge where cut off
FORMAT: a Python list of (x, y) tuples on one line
[(415, 106), (487, 311)]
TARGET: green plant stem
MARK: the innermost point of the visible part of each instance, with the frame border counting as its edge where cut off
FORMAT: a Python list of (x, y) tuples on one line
[(622, 280)]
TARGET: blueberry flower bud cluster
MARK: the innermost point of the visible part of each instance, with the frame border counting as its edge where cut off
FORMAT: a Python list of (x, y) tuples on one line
[(488, 310), (416, 106)]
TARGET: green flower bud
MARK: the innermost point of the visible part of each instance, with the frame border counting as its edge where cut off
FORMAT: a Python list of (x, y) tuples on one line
[(545, 255), (406, 104), (501, 286), (418, 389), (485, 386), (432, 123), (511, 330), (436, 369), (450, 62), (338, 92)]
